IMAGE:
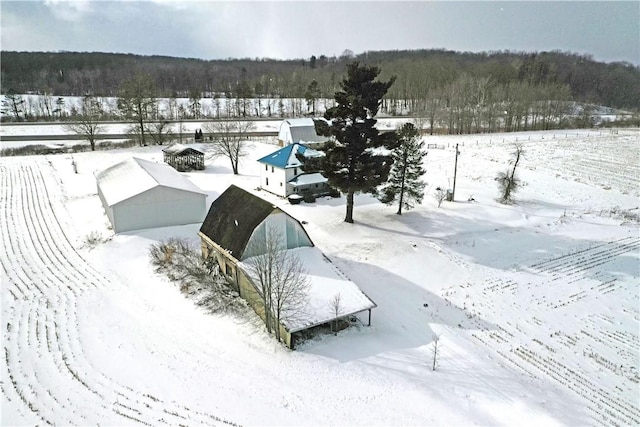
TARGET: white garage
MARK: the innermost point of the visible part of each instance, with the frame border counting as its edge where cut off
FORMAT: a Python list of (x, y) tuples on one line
[(138, 194)]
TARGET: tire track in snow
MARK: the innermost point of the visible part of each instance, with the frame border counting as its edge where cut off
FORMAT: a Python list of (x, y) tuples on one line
[(46, 374)]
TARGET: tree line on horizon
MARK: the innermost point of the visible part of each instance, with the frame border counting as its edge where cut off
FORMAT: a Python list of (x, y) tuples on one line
[(421, 75)]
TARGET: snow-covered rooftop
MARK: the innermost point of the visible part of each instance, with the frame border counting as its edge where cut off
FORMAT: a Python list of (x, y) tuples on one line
[(134, 176), (308, 178), (303, 121), (178, 148), (325, 283), (286, 156)]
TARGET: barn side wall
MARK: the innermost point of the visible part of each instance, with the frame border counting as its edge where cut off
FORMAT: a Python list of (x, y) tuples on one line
[(292, 233), (241, 282), (107, 209), (158, 207)]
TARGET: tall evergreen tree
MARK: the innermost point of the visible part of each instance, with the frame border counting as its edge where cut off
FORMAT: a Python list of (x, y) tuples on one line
[(404, 184), (355, 160), (311, 95), (194, 103)]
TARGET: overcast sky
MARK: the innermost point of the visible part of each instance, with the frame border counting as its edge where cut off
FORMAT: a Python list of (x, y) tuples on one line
[(608, 30)]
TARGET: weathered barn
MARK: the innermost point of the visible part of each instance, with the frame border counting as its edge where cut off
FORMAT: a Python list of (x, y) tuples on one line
[(183, 158), (138, 194), (281, 172), (300, 131), (232, 230)]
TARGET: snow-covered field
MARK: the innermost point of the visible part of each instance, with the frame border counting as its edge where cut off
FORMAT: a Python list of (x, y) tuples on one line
[(536, 304)]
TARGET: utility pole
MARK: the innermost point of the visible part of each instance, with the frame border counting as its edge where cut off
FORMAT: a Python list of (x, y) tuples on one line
[(455, 171)]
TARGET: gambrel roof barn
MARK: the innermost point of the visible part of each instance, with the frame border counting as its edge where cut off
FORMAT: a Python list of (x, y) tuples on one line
[(238, 215), (139, 194), (236, 220)]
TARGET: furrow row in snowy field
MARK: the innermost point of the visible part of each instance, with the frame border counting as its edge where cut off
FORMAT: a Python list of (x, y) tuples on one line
[(535, 303), (558, 284), (45, 366)]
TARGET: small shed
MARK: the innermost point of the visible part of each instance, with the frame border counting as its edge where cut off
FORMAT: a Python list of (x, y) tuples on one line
[(236, 221), (138, 194), (183, 158), (281, 172), (300, 131)]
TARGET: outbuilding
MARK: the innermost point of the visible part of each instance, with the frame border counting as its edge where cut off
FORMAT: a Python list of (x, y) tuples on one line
[(138, 194), (234, 230), (300, 131), (183, 158)]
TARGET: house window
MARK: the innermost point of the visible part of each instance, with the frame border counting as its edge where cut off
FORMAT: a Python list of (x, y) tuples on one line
[(228, 270), (280, 184), (266, 182), (271, 169), (295, 171), (266, 167)]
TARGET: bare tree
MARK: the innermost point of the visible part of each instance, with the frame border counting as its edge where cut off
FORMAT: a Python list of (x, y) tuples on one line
[(182, 263), (336, 308), (440, 195), (13, 104), (435, 351), (160, 131), (87, 125), (507, 181), (281, 278), (137, 101), (230, 139)]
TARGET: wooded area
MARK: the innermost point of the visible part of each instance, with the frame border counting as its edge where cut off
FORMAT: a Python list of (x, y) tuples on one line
[(451, 91), (419, 73)]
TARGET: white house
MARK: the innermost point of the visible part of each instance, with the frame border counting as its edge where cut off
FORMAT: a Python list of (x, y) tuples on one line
[(281, 172), (138, 194), (299, 131)]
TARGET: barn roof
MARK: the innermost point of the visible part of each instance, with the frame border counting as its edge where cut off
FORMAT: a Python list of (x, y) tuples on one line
[(286, 156), (181, 150), (325, 281), (232, 218), (134, 176), (303, 130), (303, 121)]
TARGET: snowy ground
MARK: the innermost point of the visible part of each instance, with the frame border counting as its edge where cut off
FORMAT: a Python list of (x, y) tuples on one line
[(536, 304)]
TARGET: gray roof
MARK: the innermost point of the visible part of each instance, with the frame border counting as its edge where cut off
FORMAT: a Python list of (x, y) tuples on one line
[(232, 218), (305, 134)]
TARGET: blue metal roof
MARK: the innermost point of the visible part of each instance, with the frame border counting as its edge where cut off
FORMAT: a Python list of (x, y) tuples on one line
[(285, 157)]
